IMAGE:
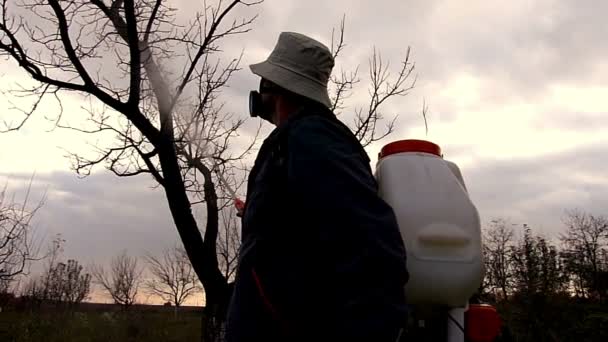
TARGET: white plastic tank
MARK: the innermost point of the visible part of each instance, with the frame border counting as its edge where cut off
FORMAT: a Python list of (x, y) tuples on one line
[(438, 222)]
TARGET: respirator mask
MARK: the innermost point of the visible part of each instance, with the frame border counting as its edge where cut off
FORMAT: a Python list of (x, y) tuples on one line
[(257, 107)]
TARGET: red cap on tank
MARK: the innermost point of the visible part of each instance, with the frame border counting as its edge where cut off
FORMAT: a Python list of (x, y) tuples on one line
[(482, 323), (411, 145)]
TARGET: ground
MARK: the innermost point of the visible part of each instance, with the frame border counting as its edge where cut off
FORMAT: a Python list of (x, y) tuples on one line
[(97, 325)]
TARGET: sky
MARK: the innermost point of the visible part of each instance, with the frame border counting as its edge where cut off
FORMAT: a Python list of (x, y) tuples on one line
[(516, 95)]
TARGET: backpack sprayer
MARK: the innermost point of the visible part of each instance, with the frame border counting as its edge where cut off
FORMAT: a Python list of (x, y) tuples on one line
[(441, 229)]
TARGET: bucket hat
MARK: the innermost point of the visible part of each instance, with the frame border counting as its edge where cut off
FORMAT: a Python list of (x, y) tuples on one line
[(299, 64)]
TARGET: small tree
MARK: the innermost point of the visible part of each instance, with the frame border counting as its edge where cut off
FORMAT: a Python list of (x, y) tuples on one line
[(229, 242), (75, 284), (61, 283), (36, 289), (537, 270), (602, 284), (498, 246), (173, 278), (585, 242), (539, 284), (67, 284), (123, 280), (16, 237)]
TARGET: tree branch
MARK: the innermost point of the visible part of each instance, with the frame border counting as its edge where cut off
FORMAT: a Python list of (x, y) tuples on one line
[(365, 125), (151, 20), (209, 38), (133, 41)]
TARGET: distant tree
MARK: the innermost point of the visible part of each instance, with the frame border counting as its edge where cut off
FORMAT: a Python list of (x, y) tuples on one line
[(67, 284), (584, 246), (602, 286), (122, 281), (537, 269), (36, 290), (544, 277), (229, 242), (538, 285), (173, 278), (498, 245), (42, 288), (74, 285), (31, 293), (61, 283), (17, 248)]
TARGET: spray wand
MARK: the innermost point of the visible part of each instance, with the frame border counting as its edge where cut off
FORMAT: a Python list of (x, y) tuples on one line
[(238, 203)]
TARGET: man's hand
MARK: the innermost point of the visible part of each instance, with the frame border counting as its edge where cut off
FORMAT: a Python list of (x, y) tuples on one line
[(240, 207)]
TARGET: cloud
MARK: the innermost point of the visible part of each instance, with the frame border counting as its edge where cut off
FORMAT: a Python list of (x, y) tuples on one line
[(537, 190), (101, 215)]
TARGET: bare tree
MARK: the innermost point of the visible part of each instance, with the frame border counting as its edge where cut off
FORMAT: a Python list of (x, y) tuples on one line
[(167, 123), (122, 282), (17, 248), (61, 283), (36, 289), (537, 269), (584, 244), (382, 88), (229, 242), (498, 244), (173, 278), (65, 283)]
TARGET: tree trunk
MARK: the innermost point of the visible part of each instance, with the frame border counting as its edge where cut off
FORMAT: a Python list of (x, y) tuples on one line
[(217, 304), (202, 253)]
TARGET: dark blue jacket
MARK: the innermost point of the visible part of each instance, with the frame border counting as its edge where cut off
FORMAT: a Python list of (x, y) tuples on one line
[(322, 258)]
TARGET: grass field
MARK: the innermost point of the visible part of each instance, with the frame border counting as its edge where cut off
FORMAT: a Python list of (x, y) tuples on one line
[(554, 320), (99, 326)]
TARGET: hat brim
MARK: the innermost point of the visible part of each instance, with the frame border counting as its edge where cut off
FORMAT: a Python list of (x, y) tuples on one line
[(292, 81)]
